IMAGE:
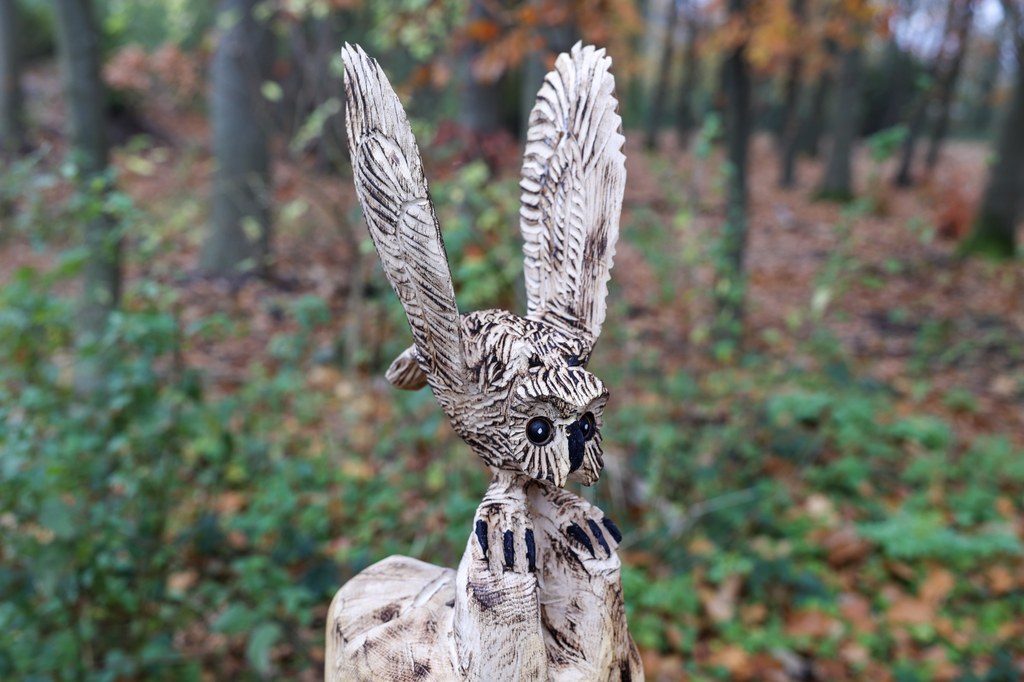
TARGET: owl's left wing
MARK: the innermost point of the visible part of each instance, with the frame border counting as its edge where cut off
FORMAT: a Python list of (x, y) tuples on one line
[(573, 179)]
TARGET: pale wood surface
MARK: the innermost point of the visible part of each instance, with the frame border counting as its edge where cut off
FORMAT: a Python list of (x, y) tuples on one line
[(537, 594)]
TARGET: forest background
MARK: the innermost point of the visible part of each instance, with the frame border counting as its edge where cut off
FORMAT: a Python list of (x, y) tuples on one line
[(815, 341)]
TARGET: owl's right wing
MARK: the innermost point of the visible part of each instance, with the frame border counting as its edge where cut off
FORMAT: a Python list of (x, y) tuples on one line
[(396, 202)]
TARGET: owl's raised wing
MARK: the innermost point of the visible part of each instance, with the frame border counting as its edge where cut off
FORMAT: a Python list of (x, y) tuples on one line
[(396, 202), (573, 179)]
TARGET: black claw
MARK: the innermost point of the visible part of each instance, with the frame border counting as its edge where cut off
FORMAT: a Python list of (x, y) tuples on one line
[(612, 528), (531, 552), (509, 547), (596, 531), (481, 536), (580, 536)]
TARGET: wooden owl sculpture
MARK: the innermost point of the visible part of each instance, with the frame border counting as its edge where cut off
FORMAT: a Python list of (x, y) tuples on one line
[(537, 595)]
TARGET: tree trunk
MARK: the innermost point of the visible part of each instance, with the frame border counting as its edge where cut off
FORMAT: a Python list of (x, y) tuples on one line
[(915, 126), (239, 238), (660, 93), (981, 110), (12, 122), (789, 131), (838, 181), (899, 67), (78, 41), (963, 16), (479, 101), (554, 40), (809, 137), (686, 119), (995, 226), (730, 285)]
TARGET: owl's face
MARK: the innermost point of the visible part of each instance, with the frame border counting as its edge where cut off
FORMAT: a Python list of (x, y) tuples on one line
[(536, 408)]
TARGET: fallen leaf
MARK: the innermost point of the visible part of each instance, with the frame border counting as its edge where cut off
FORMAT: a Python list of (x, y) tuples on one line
[(857, 612), (937, 586), (910, 611), (735, 660), (182, 581), (720, 604), (1000, 579), (812, 623), (844, 545), (855, 653)]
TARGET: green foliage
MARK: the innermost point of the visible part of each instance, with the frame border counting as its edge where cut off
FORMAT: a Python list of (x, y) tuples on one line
[(151, 23), (134, 517), (925, 535), (480, 214), (36, 35)]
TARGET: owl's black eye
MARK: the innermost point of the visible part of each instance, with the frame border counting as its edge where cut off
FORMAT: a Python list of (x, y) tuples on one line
[(588, 426), (539, 430)]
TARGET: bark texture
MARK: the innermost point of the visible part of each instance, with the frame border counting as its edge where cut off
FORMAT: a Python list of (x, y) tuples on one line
[(789, 132), (686, 117), (479, 99), (78, 42), (962, 18), (809, 138), (239, 237), (730, 280), (659, 93), (537, 595), (12, 122), (838, 180), (995, 225)]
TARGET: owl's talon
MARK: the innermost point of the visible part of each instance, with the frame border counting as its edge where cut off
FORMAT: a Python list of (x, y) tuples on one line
[(481, 536), (595, 530), (580, 536), (510, 553), (613, 529), (531, 552)]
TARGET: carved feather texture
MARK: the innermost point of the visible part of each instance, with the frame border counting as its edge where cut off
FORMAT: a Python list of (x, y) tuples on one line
[(396, 202), (573, 179)]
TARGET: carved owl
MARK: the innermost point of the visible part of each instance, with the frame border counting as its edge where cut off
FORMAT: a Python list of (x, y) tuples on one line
[(538, 592), (516, 389)]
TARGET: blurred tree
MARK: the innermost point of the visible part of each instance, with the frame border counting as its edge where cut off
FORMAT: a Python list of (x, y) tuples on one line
[(659, 92), (479, 112), (789, 128), (961, 19), (12, 123), (897, 68), (499, 36), (78, 41), (730, 283), (686, 118), (936, 89), (852, 24), (994, 231), (982, 101), (311, 109), (554, 35), (239, 237), (812, 124), (838, 180)]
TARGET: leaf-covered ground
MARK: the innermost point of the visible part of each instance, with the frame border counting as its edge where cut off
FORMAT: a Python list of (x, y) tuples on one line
[(843, 500)]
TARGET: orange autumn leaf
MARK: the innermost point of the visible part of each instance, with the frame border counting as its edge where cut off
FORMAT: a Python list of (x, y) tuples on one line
[(483, 30), (910, 611), (812, 623), (937, 586)]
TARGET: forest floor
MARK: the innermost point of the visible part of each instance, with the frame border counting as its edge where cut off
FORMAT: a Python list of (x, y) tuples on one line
[(944, 335)]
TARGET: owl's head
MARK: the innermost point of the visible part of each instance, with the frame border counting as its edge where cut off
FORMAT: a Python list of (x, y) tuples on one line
[(516, 389)]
